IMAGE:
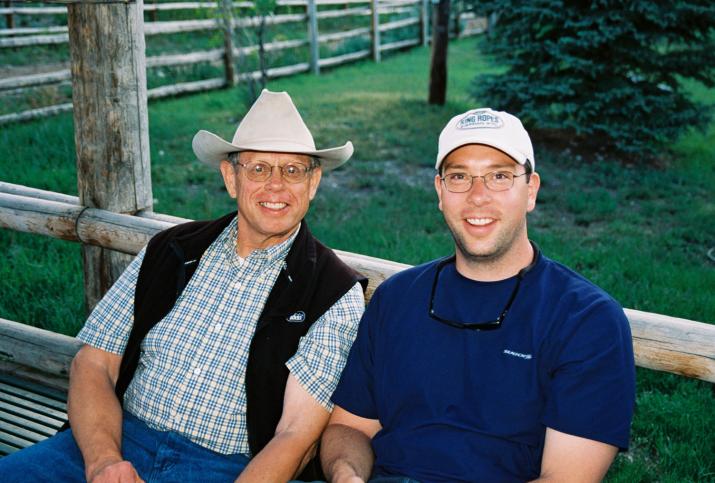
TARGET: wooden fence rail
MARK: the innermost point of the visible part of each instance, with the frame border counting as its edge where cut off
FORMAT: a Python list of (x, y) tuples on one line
[(373, 33), (661, 342)]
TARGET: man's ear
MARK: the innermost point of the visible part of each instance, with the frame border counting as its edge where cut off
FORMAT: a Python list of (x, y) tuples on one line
[(315, 178), (438, 187), (533, 187), (229, 177)]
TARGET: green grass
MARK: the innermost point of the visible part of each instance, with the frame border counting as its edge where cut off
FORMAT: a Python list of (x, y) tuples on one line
[(641, 232)]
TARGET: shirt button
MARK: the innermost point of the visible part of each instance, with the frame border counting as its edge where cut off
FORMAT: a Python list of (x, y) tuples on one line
[(217, 328), (197, 371)]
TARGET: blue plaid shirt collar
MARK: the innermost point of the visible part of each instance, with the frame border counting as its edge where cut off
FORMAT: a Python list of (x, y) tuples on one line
[(263, 256)]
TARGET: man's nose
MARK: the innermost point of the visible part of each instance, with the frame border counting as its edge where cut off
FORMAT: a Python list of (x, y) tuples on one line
[(479, 193), (275, 180)]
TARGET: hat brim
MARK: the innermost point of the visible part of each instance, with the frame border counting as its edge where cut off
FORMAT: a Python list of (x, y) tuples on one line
[(211, 149)]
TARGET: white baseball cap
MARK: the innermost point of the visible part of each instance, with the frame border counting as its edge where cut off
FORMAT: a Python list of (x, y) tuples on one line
[(497, 129)]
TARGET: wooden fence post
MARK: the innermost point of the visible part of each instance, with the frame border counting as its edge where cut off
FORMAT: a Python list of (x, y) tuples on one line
[(313, 36), (375, 30), (438, 59), (9, 20), (457, 20), (424, 22), (110, 123), (228, 61)]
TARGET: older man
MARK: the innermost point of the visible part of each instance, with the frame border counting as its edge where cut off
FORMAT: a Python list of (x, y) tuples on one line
[(495, 364), (216, 352)]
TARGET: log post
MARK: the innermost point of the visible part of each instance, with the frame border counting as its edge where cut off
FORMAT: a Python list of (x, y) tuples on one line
[(438, 61), (457, 20), (313, 37), (375, 30), (228, 60), (9, 20), (111, 123), (424, 22)]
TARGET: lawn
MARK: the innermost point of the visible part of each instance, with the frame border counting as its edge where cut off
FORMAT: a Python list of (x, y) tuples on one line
[(642, 232)]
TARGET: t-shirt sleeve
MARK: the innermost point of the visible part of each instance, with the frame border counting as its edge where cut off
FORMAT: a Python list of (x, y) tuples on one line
[(109, 324), (592, 383), (356, 390)]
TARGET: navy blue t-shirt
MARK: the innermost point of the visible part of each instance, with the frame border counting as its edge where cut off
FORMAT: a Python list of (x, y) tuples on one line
[(464, 405)]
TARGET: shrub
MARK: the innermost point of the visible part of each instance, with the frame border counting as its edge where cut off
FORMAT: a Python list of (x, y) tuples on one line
[(603, 75)]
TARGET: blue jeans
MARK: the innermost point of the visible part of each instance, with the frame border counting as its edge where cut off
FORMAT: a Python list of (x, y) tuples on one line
[(157, 456), (392, 479)]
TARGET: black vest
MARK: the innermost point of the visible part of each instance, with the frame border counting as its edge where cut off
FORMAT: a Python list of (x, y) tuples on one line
[(315, 278)]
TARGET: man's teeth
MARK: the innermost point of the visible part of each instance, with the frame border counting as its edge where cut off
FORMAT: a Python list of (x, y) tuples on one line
[(273, 206), (479, 221)]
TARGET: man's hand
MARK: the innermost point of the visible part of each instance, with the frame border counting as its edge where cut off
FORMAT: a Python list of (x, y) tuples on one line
[(344, 473), (113, 472), (346, 451), (96, 416), (295, 441)]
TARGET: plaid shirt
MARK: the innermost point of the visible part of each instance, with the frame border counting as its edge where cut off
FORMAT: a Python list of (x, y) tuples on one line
[(191, 373)]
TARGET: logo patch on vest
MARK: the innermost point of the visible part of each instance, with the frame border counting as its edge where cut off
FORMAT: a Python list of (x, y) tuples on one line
[(480, 119), (296, 317)]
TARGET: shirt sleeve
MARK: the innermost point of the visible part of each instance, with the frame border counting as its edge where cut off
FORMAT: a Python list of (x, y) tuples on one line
[(356, 391), (322, 352), (592, 388), (109, 324)]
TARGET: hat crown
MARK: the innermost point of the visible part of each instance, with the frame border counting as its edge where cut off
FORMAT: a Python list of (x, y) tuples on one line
[(272, 124), (497, 129), (272, 119)]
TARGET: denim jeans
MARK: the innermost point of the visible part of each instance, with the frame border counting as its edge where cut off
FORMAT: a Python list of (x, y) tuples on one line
[(157, 456), (392, 479)]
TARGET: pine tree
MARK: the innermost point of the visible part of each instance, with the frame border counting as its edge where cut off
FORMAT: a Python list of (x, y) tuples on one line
[(604, 75)]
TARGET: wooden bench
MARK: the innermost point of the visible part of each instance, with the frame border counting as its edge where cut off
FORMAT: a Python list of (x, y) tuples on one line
[(29, 413), (34, 370), (34, 363)]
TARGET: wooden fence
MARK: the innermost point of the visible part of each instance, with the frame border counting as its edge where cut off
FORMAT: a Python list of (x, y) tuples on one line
[(663, 343), (409, 14)]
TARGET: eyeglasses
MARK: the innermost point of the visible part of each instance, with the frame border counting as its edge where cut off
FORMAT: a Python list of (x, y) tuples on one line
[(262, 171), (489, 325), (459, 182)]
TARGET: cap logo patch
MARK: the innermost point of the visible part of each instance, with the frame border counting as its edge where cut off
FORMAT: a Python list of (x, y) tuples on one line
[(480, 120)]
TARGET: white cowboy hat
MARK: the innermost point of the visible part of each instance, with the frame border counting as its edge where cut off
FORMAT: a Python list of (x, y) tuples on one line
[(273, 124)]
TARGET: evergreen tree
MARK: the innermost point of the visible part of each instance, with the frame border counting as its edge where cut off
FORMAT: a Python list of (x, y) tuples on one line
[(605, 75)]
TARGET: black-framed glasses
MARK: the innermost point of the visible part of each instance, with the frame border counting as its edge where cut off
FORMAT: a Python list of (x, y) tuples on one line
[(459, 182), (489, 325), (261, 171)]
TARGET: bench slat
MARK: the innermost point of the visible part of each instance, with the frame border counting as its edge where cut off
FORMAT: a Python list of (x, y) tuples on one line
[(34, 387), (18, 431), (13, 441), (28, 395), (6, 449), (48, 427), (15, 411), (38, 408)]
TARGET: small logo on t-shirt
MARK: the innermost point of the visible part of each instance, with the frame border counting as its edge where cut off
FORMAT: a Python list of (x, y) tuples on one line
[(517, 354), (297, 317)]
